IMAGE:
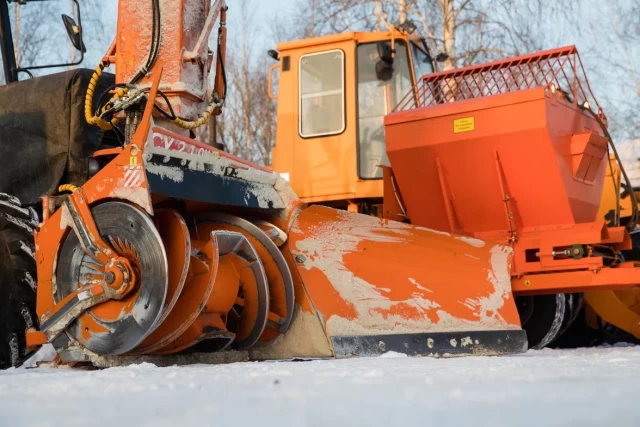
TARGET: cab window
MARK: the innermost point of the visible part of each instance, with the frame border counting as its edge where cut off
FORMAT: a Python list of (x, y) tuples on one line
[(380, 88), (321, 106), (422, 63)]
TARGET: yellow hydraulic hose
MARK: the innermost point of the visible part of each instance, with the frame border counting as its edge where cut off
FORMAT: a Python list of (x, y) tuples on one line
[(188, 125), (67, 188), (96, 120), (92, 119)]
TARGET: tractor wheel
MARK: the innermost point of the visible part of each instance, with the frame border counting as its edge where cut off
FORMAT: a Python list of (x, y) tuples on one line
[(542, 317), (17, 280), (574, 303)]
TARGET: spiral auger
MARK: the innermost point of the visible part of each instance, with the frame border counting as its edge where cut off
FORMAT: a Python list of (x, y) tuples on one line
[(223, 283)]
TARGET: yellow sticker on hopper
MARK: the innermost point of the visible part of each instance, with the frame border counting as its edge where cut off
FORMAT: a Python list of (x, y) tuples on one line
[(467, 124)]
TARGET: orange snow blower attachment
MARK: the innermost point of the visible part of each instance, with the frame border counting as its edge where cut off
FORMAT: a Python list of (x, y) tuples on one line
[(175, 246), (510, 152), (128, 266)]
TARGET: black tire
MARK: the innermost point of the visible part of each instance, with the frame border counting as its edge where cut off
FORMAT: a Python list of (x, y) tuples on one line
[(574, 303), (17, 280), (543, 319)]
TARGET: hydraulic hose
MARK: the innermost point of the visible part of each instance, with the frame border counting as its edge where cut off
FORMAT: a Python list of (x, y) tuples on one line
[(67, 188), (156, 38), (96, 119), (90, 117)]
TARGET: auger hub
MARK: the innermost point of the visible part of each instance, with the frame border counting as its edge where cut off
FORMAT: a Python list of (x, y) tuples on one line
[(120, 276)]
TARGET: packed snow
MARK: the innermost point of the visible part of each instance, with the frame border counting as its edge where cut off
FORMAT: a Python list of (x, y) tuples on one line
[(586, 387)]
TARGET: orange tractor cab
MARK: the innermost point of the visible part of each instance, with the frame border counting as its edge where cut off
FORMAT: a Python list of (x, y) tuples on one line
[(508, 152), (333, 95)]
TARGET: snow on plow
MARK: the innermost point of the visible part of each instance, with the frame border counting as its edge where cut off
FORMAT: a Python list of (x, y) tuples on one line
[(378, 286)]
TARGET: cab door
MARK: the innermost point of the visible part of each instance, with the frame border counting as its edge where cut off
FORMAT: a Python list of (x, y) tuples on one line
[(324, 155)]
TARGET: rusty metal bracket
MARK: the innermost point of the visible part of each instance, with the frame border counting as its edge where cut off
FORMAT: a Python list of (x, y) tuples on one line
[(506, 198), (76, 208), (449, 200), (198, 54), (70, 308)]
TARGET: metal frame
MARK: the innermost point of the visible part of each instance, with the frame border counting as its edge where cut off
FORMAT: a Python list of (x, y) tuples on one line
[(6, 44), (7, 48), (559, 69)]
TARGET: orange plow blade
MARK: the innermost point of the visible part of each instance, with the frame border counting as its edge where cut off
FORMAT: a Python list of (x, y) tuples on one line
[(381, 286)]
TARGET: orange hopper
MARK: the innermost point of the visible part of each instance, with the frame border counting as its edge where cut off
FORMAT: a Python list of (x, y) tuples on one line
[(510, 152)]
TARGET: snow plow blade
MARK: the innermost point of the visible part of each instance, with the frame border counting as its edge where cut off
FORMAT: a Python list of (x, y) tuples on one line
[(379, 286)]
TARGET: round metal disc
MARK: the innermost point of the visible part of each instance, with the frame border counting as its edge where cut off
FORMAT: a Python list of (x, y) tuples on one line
[(177, 243), (116, 327)]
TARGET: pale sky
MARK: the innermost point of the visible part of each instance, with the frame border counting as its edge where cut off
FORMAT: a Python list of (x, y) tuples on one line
[(590, 41), (263, 12)]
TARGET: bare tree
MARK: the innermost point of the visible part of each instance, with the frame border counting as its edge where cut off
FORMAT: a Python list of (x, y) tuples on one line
[(247, 126), (465, 32), (462, 31), (620, 51)]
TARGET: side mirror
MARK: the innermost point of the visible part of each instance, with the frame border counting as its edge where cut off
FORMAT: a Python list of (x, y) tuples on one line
[(274, 54), (384, 67), (385, 52), (384, 71), (74, 32)]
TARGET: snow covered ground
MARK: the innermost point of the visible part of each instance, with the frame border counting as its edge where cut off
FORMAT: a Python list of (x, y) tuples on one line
[(591, 387)]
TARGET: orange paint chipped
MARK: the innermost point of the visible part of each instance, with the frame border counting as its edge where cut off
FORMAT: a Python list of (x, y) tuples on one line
[(405, 310), (326, 299), (89, 328), (399, 278)]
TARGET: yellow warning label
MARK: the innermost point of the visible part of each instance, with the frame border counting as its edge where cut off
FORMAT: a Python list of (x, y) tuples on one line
[(133, 161), (467, 124), (527, 282)]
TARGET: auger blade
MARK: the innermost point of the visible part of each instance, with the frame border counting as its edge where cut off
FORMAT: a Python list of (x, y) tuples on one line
[(248, 318), (177, 244), (225, 300), (191, 302), (263, 238)]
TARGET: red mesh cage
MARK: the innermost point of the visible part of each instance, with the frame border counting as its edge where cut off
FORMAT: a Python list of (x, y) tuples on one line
[(558, 69)]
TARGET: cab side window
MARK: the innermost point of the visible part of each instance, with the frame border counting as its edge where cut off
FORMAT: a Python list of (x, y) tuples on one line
[(321, 104)]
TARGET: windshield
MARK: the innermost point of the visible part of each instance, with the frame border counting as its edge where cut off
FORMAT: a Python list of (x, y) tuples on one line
[(378, 94), (422, 63)]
